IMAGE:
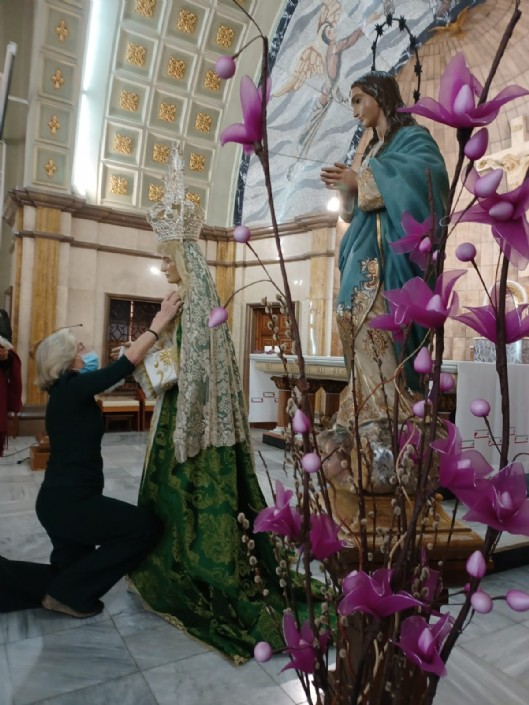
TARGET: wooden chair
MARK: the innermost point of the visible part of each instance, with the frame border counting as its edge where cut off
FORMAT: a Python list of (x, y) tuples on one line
[(115, 407), (146, 409)]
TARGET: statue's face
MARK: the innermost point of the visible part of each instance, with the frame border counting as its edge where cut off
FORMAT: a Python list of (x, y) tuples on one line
[(168, 267), (365, 108)]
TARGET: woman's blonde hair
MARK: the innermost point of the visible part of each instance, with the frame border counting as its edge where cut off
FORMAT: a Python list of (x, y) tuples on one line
[(174, 249), (54, 356)]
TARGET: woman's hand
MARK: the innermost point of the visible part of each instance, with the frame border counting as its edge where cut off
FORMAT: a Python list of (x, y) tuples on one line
[(169, 309), (340, 178)]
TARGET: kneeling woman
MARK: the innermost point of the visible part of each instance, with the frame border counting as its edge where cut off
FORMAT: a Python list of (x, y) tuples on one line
[(96, 539)]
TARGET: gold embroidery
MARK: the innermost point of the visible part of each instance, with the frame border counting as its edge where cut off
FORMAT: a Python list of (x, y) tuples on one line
[(369, 198)]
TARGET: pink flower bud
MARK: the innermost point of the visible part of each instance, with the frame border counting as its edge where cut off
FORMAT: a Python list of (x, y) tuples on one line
[(477, 145), (419, 409), (435, 255), (486, 185), (311, 462), (480, 407), (218, 316), (517, 600), (262, 651), (446, 382), (476, 565), (425, 245), (481, 601), (502, 211), (423, 362), (242, 234), (300, 422), (465, 252), (225, 66)]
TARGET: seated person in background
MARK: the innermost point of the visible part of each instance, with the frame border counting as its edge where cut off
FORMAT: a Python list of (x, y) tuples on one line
[(10, 378), (96, 539)]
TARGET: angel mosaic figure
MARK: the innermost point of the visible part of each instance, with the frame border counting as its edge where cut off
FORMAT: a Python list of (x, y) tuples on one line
[(323, 58)]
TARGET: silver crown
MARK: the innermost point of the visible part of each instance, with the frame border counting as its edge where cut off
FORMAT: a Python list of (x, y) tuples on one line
[(175, 217)]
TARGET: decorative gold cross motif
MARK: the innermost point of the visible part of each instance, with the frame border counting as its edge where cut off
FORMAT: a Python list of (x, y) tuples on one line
[(123, 144), (128, 101), (193, 197), (167, 112), (197, 162), (187, 22), (224, 36), (145, 7), (62, 30), (57, 79), (155, 192), (54, 124), (50, 168), (203, 122), (119, 185), (176, 68), (136, 54), (160, 153), (211, 80)]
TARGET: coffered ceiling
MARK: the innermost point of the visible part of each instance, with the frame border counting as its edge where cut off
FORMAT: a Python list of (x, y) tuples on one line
[(113, 83)]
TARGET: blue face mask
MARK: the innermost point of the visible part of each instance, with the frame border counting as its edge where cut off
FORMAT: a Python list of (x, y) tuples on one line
[(90, 362)]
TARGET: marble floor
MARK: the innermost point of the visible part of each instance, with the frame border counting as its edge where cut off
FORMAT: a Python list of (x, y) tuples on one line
[(126, 656)]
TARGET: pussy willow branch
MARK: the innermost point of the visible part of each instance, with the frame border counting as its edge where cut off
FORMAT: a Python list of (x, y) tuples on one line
[(501, 366)]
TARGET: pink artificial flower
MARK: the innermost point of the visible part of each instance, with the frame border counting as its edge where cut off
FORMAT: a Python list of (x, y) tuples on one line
[(415, 302), (311, 462), (417, 235), (300, 644), (477, 145), (460, 471), (505, 213), (250, 132), (373, 594), (422, 642), (458, 91), (481, 602), (300, 422), (242, 234), (281, 519), (217, 317), (480, 408), (262, 652), (501, 502), (476, 565), (422, 364), (483, 319), (225, 66), (386, 321), (517, 600), (466, 252), (323, 536)]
